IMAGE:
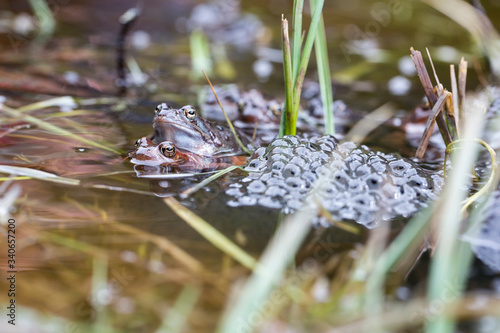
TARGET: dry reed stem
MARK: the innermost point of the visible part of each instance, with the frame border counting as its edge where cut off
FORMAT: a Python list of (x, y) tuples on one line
[(436, 111), (429, 92)]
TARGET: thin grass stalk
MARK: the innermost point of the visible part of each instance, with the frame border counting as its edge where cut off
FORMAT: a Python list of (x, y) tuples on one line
[(184, 194), (258, 291), (298, 8), (176, 318), (476, 23), (288, 76), (37, 174), (412, 234), (324, 75), (56, 130), (454, 96), (100, 283), (230, 124), (462, 83), (200, 54), (446, 263), (304, 60)]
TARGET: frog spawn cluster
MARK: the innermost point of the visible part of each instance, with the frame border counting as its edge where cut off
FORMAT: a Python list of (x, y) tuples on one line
[(351, 182)]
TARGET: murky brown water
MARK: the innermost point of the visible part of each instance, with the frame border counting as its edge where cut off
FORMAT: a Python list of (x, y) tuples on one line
[(110, 253)]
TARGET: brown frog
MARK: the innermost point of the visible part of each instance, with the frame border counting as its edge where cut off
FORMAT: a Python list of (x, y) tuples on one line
[(190, 132), (172, 159)]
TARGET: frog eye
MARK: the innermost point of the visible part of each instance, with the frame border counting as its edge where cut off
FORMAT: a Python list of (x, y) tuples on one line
[(161, 106), (190, 113), (167, 149), (138, 143)]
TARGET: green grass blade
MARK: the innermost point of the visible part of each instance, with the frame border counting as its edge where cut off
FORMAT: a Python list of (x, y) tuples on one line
[(55, 129), (445, 264), (304, 60), (324, 76), (229, 123), (210, 179), (412, 234), (276, 258), (176, 317), (211, 234), (298, 8), (200, 54), (37, 174), (287, 113)]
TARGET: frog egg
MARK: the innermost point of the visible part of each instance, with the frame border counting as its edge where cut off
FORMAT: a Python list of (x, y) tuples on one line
[(247, 200), (340, 179), (269, 202), (287, 151), (277, 166), (417, 181), (234, 192), (356, 185), (299, 161), (399, 167), (364, 203), (295, 184), (256, 186), (275, 191), (256, 165), (309, 177), (292, 140), (374, 181), (278, 181), (348, 213), (291, 170), (368, 220), (362, 171), (259, 152), (405, 209)]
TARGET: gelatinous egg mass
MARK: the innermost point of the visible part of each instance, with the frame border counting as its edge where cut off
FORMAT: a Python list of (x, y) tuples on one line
[(351, 182)]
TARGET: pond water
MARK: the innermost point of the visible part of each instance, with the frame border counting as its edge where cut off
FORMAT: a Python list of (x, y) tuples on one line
[(109, 253)]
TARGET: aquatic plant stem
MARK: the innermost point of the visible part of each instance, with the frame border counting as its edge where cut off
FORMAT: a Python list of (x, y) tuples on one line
[(489, 186), (176, 317), (299, 71), (445, 264), (225, 116), (257, 293), (324, 75), (55, 129), (200, 54), (304, 60), (288, 76), (298, 8), (210, 179), (425, 80)]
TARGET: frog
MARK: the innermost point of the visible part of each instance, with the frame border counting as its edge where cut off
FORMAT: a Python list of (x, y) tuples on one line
[(190, 132), (244, 108), (166, 157)]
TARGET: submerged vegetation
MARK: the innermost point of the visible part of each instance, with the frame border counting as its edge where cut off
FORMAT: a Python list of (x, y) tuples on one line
[(101, 250)]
